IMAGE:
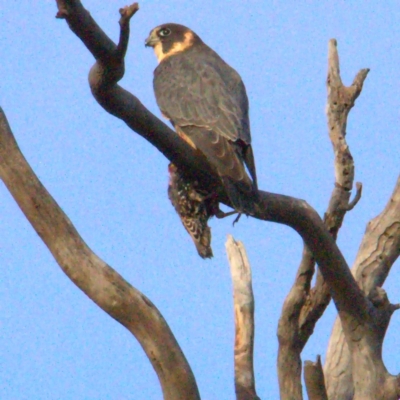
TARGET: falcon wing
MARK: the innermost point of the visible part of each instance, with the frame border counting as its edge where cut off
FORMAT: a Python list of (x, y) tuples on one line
[(198, 88), (206, 101)]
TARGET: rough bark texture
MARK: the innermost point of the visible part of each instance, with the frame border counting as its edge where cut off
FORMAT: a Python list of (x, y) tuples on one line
[(243, 302), (304, 306), (378, 251), (92, 275)]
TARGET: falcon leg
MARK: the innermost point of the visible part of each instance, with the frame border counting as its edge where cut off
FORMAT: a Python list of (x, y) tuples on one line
[(237, 219)]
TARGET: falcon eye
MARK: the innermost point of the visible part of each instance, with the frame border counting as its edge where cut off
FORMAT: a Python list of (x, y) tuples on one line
[(165, 32)]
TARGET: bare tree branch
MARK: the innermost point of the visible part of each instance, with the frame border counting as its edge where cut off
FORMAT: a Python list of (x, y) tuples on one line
[(380, 245), (341, 100), (244, 320), (314, 379), (92, 275), (378, 251), (364, 332), (303, 307), (290, 343)]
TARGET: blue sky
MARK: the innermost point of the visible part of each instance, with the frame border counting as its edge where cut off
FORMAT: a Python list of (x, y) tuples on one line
[(54, 342)]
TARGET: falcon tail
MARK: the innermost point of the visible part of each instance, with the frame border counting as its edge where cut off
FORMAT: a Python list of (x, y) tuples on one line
[(248, 157)]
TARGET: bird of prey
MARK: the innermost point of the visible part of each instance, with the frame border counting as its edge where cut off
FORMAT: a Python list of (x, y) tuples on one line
[(206, 101), (194, 208)]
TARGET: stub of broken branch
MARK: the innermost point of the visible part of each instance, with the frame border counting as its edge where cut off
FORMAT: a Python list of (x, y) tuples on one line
[(244, 320), (314, 379)]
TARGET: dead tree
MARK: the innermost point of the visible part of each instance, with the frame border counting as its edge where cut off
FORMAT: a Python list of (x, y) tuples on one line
[(354, 368)]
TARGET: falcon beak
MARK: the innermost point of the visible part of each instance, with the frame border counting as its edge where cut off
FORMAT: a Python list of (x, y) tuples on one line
[(152, 40)]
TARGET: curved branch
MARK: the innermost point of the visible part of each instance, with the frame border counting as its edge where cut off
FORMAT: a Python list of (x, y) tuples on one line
[(244, 320), (92, 275)]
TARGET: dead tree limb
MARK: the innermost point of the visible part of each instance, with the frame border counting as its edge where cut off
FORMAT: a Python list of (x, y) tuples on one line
[(92, 275), (244, 320), (364, 334), (304, 306), (379, 250)]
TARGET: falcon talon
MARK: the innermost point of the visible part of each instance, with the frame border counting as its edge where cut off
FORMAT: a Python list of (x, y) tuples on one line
[(236, 219)]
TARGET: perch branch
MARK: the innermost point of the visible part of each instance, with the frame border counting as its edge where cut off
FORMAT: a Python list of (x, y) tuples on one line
[(92, 275), (244, 320), (271, 207)]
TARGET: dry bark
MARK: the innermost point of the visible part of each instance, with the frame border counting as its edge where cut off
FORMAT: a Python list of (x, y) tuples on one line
[(244, 320), (304, 306)]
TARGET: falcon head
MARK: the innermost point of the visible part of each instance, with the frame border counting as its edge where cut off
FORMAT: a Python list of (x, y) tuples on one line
[(169, 39)]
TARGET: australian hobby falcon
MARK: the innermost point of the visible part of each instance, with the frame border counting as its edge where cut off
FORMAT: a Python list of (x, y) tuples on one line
[(206, 101)]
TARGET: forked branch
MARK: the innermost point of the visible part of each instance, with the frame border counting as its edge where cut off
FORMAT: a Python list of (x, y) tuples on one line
[(304, 306)]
